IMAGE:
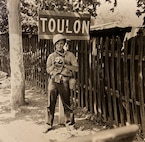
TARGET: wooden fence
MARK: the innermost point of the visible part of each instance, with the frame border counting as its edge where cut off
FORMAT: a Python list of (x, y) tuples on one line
[(4, 53), (110, 81), (117, 80)]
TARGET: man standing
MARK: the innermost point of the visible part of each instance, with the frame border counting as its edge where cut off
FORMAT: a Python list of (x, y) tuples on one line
[(61, 65)]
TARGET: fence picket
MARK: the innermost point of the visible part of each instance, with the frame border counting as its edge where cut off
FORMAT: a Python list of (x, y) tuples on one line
[(82, 45), (99, 75), (90, 80), (132, 81), (113, 78), (103, 96), (140, 83), (120, 102), (79, 74), (108, 79), (86, 77), (126, 83), (94, 76)]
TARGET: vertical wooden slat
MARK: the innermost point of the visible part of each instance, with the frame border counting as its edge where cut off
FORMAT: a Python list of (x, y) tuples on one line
[(126, 81), (74, 92), (28, 49), (38, 64), (132, 81), (79, 74), (86, 77), (28, 57), (32, 54), (82, 45), (108, 79), (119, 72), (46, 55), (34, 66), (98, 68), (95, 72), (113, 80), (90, 81), (39, 60), (25, 58), (103, 96), (140, 82)]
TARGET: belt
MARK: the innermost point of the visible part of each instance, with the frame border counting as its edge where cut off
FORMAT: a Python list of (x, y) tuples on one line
[(64, 78), (60, 78), (51, 76)]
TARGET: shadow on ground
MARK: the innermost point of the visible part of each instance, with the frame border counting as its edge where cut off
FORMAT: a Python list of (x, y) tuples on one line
[(30, 118), (32, 111)]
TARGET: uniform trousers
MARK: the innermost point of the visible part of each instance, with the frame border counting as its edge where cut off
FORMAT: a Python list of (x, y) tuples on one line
[(62, 89)]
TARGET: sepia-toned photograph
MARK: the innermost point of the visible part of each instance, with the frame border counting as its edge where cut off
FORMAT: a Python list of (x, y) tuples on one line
[(72, 70)]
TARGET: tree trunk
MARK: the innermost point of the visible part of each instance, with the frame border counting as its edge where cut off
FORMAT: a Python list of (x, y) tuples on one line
[(16, 55)]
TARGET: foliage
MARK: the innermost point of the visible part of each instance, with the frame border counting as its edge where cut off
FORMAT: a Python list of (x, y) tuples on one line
[(29, 15), (3, 16), (29, 10)]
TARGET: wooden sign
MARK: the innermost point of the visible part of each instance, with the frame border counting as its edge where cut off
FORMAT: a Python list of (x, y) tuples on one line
[(74, 26)]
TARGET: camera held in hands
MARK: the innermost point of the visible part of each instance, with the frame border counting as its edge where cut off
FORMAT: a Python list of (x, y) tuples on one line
[(59, 61)]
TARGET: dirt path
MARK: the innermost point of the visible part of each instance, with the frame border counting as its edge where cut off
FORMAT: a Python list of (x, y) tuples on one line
[(27, 124)]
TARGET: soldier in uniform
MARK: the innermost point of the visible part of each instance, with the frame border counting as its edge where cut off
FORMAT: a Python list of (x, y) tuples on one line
[(61, 65)]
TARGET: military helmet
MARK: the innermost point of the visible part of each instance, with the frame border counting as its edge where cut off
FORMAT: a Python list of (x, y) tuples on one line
[(58, 37)]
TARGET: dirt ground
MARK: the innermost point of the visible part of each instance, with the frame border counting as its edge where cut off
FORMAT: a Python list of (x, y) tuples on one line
[(26, 124)]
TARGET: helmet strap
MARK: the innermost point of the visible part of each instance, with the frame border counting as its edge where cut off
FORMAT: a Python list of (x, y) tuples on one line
[(60, 53)]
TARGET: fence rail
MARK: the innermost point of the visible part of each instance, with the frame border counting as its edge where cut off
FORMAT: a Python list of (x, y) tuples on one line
[(111, 77)]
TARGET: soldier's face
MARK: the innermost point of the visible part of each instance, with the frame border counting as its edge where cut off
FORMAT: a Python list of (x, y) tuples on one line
[(59, 45)]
